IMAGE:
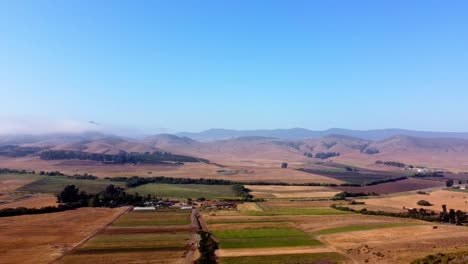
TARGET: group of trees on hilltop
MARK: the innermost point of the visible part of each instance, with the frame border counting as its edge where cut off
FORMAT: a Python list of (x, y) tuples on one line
[(321, 155), (392, 163), (121, 158), (17, 151)]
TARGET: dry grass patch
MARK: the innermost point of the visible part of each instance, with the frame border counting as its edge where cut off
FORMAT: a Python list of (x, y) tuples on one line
[(32, 202), (398, 244), (270, 191), (453, 200)]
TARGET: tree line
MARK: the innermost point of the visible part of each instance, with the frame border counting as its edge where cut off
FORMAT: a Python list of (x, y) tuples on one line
[(451, 216), (72, 198), (121, 158)]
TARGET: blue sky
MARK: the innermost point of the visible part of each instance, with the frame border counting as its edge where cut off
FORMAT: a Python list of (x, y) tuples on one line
[(193, 65)]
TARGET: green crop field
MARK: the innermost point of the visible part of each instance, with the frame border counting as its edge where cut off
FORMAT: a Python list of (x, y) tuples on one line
[(295, 211), (360, 228), (185, 190), (132, 238), (158, 218), (286, 259), (13, 176), (55, 184), (264, 238)]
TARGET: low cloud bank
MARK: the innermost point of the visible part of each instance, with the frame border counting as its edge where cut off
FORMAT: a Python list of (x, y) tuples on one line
[(39, 126)]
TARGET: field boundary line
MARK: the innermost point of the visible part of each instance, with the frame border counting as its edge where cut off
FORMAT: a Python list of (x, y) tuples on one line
[(86, 239)]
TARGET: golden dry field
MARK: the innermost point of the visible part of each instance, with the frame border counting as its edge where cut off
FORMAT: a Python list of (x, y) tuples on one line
[(453, 200), (37, 201), (43, 238)]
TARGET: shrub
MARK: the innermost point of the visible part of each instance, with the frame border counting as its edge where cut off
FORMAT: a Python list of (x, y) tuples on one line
[(424, 203)]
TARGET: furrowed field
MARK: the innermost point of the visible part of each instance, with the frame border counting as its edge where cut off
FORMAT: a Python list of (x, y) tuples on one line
[(46, 237), (330, 238), (148, 237)]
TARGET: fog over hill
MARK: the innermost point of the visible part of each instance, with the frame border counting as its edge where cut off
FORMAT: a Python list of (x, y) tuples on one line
[(302, 133)]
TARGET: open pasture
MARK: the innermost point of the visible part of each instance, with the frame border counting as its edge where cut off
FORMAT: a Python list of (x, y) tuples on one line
[(394, 187), (272, 208), (265, 170), (453, 200), (271, 191), (32, 202), (43, 238), (398, 244), (10, 183), (361, 176), (55, 184), (185, 191), (156, 218)]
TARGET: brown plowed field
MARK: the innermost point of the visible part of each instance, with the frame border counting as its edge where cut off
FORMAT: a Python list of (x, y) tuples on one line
[(42, 238)]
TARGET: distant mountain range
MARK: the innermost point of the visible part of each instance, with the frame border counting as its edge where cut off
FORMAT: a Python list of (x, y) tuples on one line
[(302, 133), (434, 149)]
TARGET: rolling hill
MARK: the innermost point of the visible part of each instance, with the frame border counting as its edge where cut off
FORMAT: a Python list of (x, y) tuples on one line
[(449, 153)]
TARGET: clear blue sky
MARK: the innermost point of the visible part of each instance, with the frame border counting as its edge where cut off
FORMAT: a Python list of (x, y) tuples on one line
[(194, 65)]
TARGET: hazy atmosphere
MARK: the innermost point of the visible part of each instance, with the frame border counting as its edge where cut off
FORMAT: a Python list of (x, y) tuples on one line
[(233, 132), (169, 66)]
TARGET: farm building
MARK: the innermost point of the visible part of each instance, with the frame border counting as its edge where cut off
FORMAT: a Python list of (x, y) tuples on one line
[(144, 209)]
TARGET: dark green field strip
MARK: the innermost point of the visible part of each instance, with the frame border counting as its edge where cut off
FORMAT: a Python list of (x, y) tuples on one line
[(105, 238), (295, 211), (103, 250), (360, 228), (186, 190), (286, 259), (248, 221), (268, 242), (150, 223), (264, 238), (261, 232), (56, 184), (157, 218)]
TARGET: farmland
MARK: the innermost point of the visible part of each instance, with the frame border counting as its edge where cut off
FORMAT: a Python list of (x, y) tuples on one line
[(339, 238), (361, 176), (153, 237), (43, 238), (153, 219), (269, 191), (394, 187), (453, 200), (264, 238), (32, 202), (288, 258), (55, 184), (186, 190), (10, 183)]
